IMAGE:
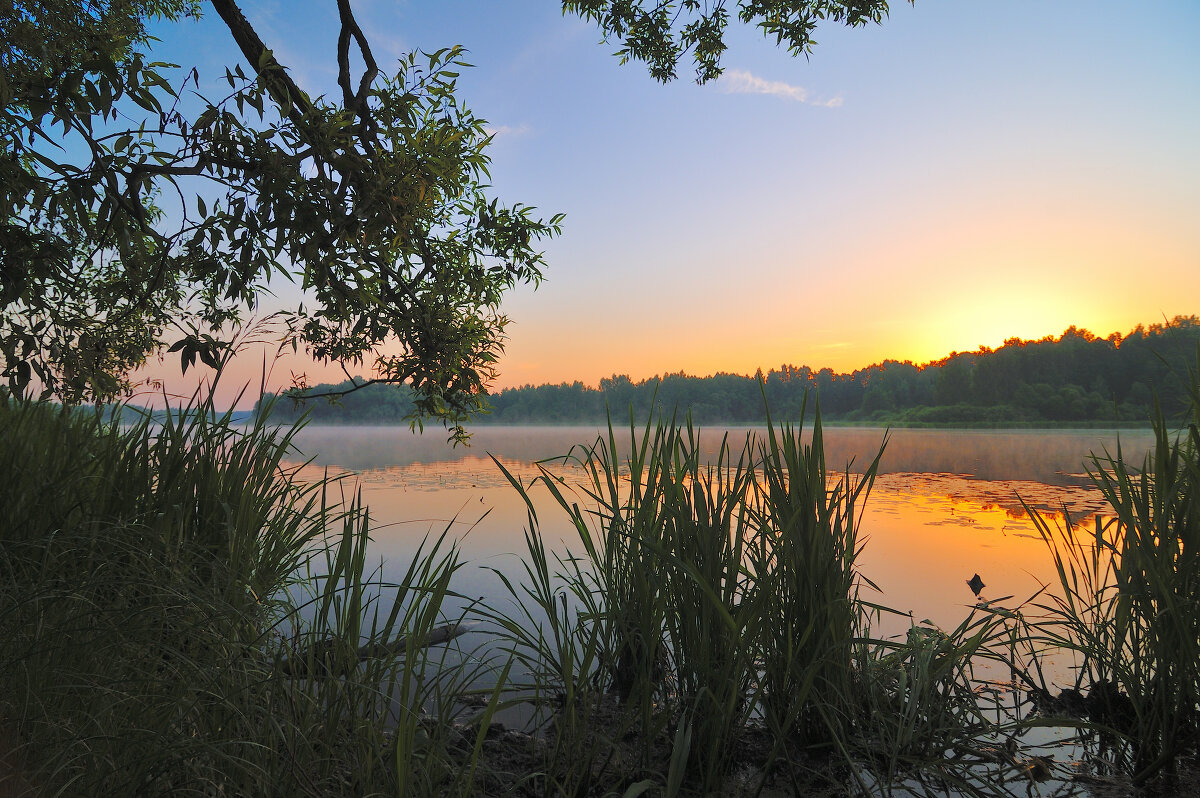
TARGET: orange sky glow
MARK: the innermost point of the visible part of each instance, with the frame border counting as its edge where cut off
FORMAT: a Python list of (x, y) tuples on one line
[(979, 178)]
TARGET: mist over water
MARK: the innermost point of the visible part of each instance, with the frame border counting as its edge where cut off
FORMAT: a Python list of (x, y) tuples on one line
[(1055, 457), (947, 503)]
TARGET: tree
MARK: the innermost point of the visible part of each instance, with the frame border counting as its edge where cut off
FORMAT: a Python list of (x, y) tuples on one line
[(137, 216), (375, 204), (662, 33)]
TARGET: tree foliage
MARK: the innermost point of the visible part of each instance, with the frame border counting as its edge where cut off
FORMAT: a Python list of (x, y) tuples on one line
[(133, 215), (661, 34), (139, 215)]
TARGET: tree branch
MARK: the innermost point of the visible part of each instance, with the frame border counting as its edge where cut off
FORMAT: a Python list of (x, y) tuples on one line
[(273, 75), (354, 101), (322, 651)]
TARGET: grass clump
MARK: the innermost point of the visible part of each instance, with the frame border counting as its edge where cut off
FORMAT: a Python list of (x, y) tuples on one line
[(186, 615), (708, 635), (1129, 602), (182, 614), (806, 541)]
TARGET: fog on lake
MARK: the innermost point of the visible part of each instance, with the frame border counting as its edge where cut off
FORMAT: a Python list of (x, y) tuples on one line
[(948, 503)]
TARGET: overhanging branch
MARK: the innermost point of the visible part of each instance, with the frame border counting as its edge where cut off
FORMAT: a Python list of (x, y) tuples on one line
[(275, 78)]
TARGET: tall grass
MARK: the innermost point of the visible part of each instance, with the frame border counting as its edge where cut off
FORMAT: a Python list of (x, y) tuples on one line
[(711, 608), (1130, 597), (646, 629), (182, 614), (806, 544), (590, 628), (185, 614), (710, 615), (925, 724)]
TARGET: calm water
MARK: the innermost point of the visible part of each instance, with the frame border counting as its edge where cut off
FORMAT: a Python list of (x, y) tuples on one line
[(946, 506)]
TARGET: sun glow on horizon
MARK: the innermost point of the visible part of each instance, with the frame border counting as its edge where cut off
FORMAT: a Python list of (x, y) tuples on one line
[(956, 199), (945, 336)]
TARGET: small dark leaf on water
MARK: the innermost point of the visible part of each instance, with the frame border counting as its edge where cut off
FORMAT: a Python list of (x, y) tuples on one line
[(976, 584), (1038, 767)]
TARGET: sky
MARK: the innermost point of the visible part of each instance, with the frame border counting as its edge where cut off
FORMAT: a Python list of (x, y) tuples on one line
[(964, 173)]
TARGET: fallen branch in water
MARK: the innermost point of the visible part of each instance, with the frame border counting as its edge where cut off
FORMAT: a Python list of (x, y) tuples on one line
[(332, 657)]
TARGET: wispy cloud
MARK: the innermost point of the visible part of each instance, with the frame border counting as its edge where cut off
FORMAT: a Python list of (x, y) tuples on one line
[(508, 131), (741, 81)]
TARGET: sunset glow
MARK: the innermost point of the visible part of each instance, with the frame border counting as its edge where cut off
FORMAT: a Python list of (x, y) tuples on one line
[(913, 189)]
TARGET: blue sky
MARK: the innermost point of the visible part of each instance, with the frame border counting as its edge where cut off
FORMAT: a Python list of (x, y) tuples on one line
[(963, 173)]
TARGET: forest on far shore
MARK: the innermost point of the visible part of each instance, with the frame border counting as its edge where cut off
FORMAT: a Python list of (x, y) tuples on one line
[(1076, 378)]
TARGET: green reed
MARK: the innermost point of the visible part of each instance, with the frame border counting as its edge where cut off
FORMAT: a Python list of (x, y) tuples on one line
[(714, 598), (1130, 603), (556, 647), (640, 633), (188, 615), (924, 724), (901, 713), (805, 546), (714, 616), (589, 630), (183, 614)]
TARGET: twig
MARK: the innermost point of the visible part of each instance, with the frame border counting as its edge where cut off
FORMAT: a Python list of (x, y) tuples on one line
[(322, 655)]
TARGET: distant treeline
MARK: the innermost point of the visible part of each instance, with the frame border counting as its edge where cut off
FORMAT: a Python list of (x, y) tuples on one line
[(1075, 378), (128, 413)]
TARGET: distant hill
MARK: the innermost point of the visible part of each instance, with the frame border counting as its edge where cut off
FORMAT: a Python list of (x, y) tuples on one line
[(1074, 379)]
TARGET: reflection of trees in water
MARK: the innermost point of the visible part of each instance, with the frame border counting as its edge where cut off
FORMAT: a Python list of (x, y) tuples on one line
[(1009, 496), (1050, 456)]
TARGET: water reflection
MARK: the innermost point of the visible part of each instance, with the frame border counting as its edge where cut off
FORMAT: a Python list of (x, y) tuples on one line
[(947, 505), (1054, 457)]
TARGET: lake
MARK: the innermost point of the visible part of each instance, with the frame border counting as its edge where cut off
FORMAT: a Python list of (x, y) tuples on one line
[(947, 503)]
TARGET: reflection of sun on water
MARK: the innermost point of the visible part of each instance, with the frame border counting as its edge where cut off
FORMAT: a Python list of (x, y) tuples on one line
[(946, 508), (927, 534), (923, 535)]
